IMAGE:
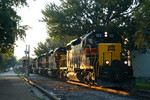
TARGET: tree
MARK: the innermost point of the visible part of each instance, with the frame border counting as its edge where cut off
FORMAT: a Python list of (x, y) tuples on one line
[(10, 28), (142, 16), (20, 61), (51, 44), (78, 17), (7, 61)]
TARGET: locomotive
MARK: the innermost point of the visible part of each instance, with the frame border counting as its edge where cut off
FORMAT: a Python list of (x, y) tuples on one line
[(49, 63), (95, 58)]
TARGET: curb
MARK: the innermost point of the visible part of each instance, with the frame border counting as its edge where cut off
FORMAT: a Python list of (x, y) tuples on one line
[(51, 96)]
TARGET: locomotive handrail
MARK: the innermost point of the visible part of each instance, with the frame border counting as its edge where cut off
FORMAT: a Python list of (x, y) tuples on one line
[(61, 61), (95, 64), (97, 73)]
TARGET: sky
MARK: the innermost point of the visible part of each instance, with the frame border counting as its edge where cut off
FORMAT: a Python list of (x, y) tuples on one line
[(37, 33)]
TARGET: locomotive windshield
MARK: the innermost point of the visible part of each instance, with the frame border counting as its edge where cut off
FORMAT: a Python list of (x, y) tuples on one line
[(59, 51), (97, 38)]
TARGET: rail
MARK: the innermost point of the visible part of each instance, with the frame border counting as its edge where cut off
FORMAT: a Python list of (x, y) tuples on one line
[(101, 88), (142, 93)]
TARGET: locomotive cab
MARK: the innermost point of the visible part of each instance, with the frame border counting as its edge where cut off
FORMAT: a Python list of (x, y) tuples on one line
[(55, 61)]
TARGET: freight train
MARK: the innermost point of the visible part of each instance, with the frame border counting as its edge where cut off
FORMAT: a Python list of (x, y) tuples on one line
[(95, 58)]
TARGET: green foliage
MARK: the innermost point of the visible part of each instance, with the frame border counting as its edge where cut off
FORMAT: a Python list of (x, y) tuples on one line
[(129, 18), (142, 16), (10, 28), (51, 44), (10, 31), (78, 17), (7, 61), (40, 98), (20, 61), (142, 85)]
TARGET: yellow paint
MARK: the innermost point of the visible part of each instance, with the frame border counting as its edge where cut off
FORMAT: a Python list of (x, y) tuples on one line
[(26, 79), (31, 83), (109, 52), (63, 56), (63, 62)]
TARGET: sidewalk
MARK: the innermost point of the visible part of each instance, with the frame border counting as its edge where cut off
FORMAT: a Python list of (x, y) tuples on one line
[(13, 88)]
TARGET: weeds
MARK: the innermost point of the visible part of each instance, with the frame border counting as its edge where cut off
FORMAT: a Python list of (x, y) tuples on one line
[(1, 71), (142, 85), (76, 87), (38, 98), (31, 90)]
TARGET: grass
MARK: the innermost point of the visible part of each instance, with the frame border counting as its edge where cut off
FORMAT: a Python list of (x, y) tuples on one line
[(31, 90), (1, 71), (140, 85), (38, 98), (15, 71)]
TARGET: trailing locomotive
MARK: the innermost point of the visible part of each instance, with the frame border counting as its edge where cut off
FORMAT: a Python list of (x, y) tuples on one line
[(49, 63), (95, 58)]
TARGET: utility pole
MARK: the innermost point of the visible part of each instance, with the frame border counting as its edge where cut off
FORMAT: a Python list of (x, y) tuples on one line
[(27, 53)]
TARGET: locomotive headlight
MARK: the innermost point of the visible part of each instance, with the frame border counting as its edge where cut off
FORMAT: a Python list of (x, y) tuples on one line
[(107, 62), (125, 62), (106, 34)]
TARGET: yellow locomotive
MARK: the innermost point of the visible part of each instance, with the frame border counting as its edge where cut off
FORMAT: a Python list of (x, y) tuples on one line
[(99, 58)]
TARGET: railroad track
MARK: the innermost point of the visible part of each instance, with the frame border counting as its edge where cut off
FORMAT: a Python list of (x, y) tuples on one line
[(96, 87), (101, 88), (141, 94), (145, 94), (51, 96)]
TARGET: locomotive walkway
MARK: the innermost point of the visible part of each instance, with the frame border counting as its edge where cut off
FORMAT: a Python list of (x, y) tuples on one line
[(13, 88)]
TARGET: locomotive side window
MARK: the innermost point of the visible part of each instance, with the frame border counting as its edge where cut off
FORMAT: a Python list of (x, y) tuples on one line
[(69, 47), (83, 44), (95, 39), (98, 35), (111, 35), (64, 50)]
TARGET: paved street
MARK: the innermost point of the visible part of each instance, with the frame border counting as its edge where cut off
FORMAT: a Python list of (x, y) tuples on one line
[(13, 88)]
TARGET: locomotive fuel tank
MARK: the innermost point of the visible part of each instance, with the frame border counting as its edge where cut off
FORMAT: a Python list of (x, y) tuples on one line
[(74, 76)]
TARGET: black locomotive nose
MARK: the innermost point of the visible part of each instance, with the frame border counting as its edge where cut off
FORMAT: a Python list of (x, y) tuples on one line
[(116, 64), (115, 69)]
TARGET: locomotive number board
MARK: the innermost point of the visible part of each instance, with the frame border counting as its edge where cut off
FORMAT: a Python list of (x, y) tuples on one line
[(111, 48)]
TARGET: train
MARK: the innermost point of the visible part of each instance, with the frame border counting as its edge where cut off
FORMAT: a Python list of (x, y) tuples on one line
[(99, 58)]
